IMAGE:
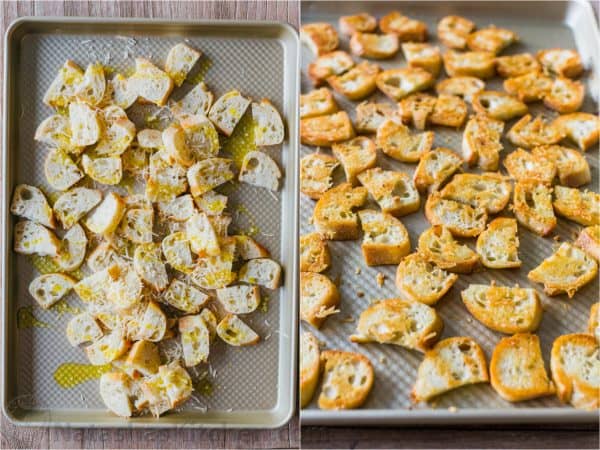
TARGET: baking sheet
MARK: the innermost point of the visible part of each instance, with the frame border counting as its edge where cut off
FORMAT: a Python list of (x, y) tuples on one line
[(547, 25), (251, 387)]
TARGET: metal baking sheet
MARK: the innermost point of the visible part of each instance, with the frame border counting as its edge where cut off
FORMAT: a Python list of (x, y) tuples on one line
[(547, 25), (252, 387)]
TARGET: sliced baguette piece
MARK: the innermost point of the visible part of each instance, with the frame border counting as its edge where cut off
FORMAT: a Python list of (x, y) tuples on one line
[(184, 297), (594, 321), (416, 109), (409, 324), (56, 132), (395, 140), (63, 88), (92, 290), (167, 389), (118, 133), (399, 83), (150, 139), (498, 245), (103, 256), (488, 190), (148, 264), (522, 165), (143, 357), (72, 249), (325, 130), (202, 236), (179, 209), (565, 271), (50, 288), (319, 298), (572, 168), (310, 367), (108, 170), (92, 87), (122, 94), (435, 167), (449, 111), (529, 87), (561, 62), (581, 128), (125, 287), (269, 125), (464, 87), (565, 95), (107, 215), (176, 147), (394, 192), (195, 340), (333, 215), (180, 60), (153, 324), (201, 137), (30, 203), (196, 102), (471, 64), (589, 241), (320, 37), (356, 155), (498, 105), (116, 390), (438, 246), (233, 331), (211, 202), (327, 65), (452, 363), (373, 45), (108, 348), (134, 160), (227, 111), (165, 180), (358, 82), (31, 238), (425, 56), (529, 133), (259, 169), (247, 248), (517, 371), (407, 29), (150, 83), (385, 239), (60, 170), (262, 271), (461, 219), (176, 249), (532, 206), (504, 309), (347, 380), (491, 39), (314, 253), (370, 115), (511, 66), (316, 170), (575, 366), (422, 281), (85, 125), (453, 31), (215, 272), (319, 102), (362, 22), (481, 142), (573, 204), (208, 174), (83, 328), (240, 299)]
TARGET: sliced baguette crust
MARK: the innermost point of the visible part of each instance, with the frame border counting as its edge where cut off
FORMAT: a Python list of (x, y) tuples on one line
[(385, 239), (489, 191), (195, 340), (260, 170), (143, 357), (60, 170), (319, 298), (74, 204), (358, 82), (327, 65), (437, 245), (356, 155), (452, 363), (31, 238), (425, 56), (395, 140), (319, 102), (180, 60), (108, 348), (573, 204), (532, 206), (72, 249), (233, 331), (498, 245), (517, 371), (464, 87), (262, 271), (453, 31), (227, 111), (394, 192), (362, 22), (347, 380), (461, 219), (435, 167), (325, 130), (107, 170), (419, 280), (481, 142), (412, 325), (115, 390), (150, 83), (589, 241), (594, 321), (575, 367), (107, 215), (208, 174), (516, 65), (498, 105), (247, 248), (269, 125), (196, 102), (316, 170), (333, 215), (372, 45), (83, 328), (471, 64), (310, 367), (572, 168), (407, 29), (63, 88), (314, 253), (399, 83), (565, 271), (522, 165), (529, 133), (148, 264), (581, 128), (241, 299), (321, 38), (370, 115), (504, 309), (30, 203), (50, 288), (185, 297), (55, 131)]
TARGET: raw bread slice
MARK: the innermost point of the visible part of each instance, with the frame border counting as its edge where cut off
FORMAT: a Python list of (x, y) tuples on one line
[(356, 155), (373, 45), (108, 348), (50, 288), (125, 287), (412, 325), (148, 264), (453, 31), (327, 65), (395, 140), (118, 133), (394, 192), (116, 390), (103, 256), (498, 105), (166, 180), (180, 60), (589, 241), (399, 83), (461, 219), (438, 246), (150, 83), (56, 132), (107, 170), (83, 328), (370, 115), (179, 209), (150, 139), (269, 126), (435, 167), (92, 87), (208, 174), (321, 37), (594, 321), (316, 170), (319, 298), (310, 367), (566, 270), (511, 66), (30, 203), (347, 380), (262, 271), (211, 202), (498, 245), (105, 217), (572, 167), (504, 309), (517, 371), (573, 204), (240, 299), (185, 297), (481, 142), (333, 215), (201, 137), (233, 331), (452, 363), (471, 64), (31, 238), (123, 95), (527, 133), (202, 236), (314, 253), (385, 239), (175, 145), (319, 102), (419, 280), (92, 289), (227, 111), (74, 204), (522, 165), (464, 87), (176, 248), (325, 130), (581, 128), (196, 102), (143, 357), (532, 206), (195, 340), (260, 170), (425, 56), (167, 389), (72, 249), (85, 125), (575, 367), (60, 170), (62, 89), (247, 248), (153, 324), (215, 272), (560, 61)]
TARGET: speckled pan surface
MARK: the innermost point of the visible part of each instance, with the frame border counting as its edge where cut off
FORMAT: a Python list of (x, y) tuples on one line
[(252, 387), (547, 25)]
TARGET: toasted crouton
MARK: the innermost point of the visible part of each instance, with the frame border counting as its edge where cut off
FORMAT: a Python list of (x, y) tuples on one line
[(463, 87), (234, 331), (72, 249), (498, 245), (594, 321), (435, 167), (572, 167), (108, 170), (481, 141), (437, 245), (394, 192), (452, 363), (453, 31), (461, 219), (319, 298), (319, 102), (416, 109), (491, 39), (516, 65), (398, 83), (63, 88), (83, 328), (216, 271), (105, 217), (196, 102), (522, 165), (56, 132), (108, 348), (247, 248), (148, 264), (314, 253), (74, 204), (527, 133), (150, 83), (425, 56), (385, 239), (180, 60), (262, 271), (333, 216), (472, 64), (581, 128), (489, 191), (370, 115), (517, 370), (325, 130), (561, 62), (361, 22), (347, 380), (116, 390), (357, 83), (589, 241), (31, 238), (310, 367), (240, 299), (227, 111), (449, 111), (185, 297), (195, 340), (316, 170), (260, 170), (269, 126), (422, 281), (372, 45), (321, 38), (329, 64), (407, 29), (50, 288), (529, 87), (206, 175), (396, 141), (532, 206), (566, 270), (578, 206), (498, 105), (575, 366), (394, 321), (356, 155), (30, 203), (565, 95)]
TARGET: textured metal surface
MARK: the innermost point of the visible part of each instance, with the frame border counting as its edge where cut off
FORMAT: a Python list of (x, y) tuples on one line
[(252, 386), (395, 367)]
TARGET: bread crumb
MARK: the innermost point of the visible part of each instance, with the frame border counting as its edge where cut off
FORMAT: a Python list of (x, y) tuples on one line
[(469, 320), (357, 271), (556, 238), (380, 279), (348, 319), (453, 409), (382, 359), (360, 294)]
